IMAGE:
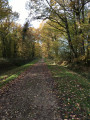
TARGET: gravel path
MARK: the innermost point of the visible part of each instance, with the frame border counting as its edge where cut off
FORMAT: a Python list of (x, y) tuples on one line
[(31, 98)]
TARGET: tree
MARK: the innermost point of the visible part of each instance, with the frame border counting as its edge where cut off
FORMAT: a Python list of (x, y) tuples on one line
[(5, 9), (50, 38), (65, 13)]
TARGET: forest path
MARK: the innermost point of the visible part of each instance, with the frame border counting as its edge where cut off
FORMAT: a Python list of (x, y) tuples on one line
[(32, 98)]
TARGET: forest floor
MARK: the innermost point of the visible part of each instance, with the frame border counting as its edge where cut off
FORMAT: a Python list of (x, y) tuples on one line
[(30, 97), (73, 90), (45, 91)]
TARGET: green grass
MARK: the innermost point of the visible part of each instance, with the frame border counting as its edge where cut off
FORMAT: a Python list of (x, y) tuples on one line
[(73, 92), (14, 73)]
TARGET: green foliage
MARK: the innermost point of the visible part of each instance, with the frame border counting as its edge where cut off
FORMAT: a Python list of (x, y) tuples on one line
[(50, 41), (5, 10), (17, 43)]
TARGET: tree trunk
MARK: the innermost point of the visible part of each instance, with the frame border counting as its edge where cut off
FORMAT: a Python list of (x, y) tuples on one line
[(33, 50), (69, 40), (77, 11), (83, 11)]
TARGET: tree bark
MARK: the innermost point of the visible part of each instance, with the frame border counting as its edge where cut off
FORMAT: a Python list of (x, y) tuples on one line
[(83, 11), (69, 40)]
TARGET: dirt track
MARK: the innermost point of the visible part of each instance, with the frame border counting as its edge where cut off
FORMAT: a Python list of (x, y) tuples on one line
[(31, 98)]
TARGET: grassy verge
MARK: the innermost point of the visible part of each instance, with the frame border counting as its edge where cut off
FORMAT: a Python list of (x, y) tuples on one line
[(14, 73), (73, 92), (84, 71)]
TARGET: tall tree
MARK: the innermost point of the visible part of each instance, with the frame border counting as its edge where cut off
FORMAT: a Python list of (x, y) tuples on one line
[(5, 9), (64, 12)]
